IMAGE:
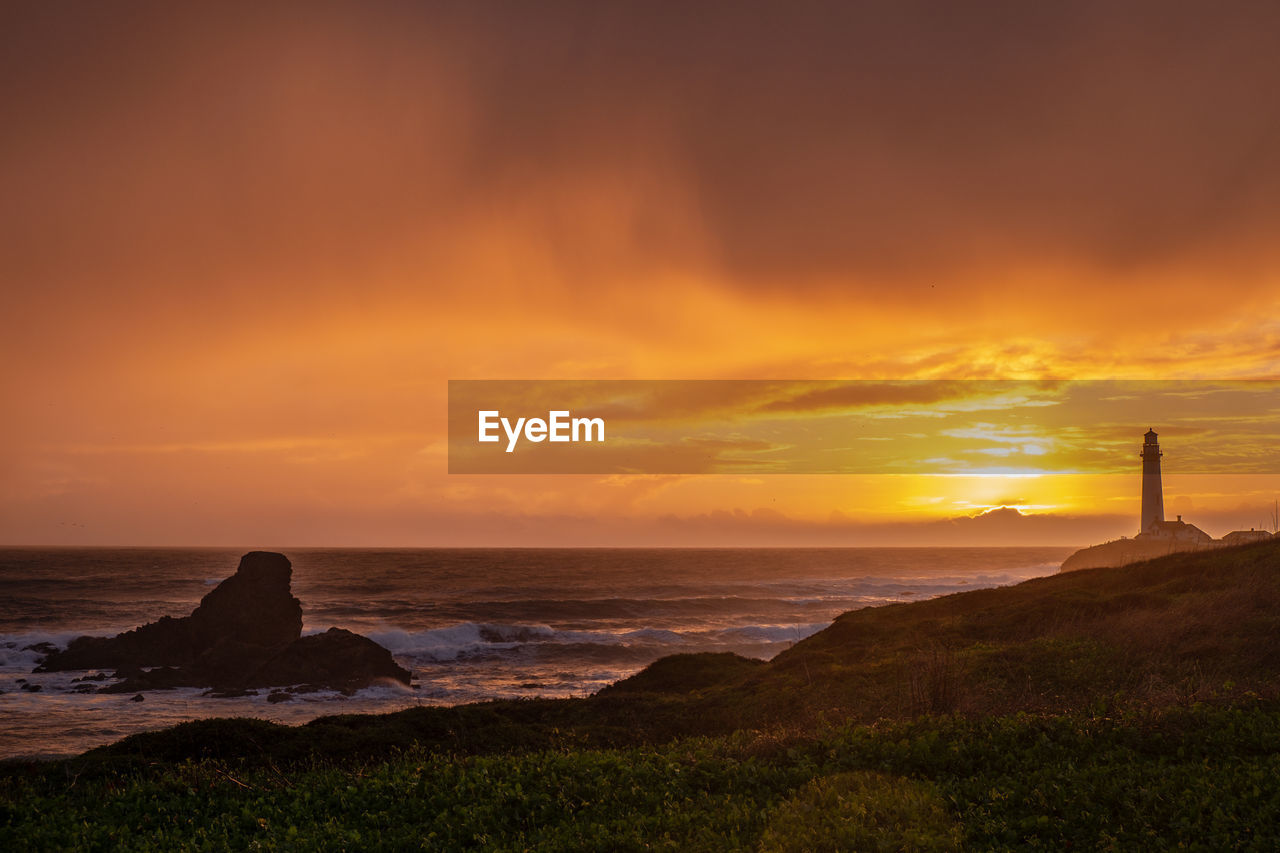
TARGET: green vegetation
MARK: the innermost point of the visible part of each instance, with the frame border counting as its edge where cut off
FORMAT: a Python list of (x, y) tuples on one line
[(861, 811), (1132, 708), (1201, 778)]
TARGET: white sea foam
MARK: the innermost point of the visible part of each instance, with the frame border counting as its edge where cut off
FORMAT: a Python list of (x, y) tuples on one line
[(470, 639)]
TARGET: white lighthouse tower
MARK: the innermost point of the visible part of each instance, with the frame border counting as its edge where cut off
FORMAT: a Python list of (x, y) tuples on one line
[(1152, 491)]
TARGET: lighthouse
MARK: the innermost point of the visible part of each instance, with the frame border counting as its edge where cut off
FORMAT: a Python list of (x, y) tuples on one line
[(1152, 491), (1157, 536)]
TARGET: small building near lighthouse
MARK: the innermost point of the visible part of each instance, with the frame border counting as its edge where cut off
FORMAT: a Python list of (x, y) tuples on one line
[(1176, 531), (1244, 537)]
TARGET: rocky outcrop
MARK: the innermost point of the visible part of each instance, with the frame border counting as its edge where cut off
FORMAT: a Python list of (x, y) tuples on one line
[(687, 674), (246, 633), (1122, 552), (253, 607), (331, 659)]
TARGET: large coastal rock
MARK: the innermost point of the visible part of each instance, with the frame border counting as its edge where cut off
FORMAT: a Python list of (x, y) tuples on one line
[(254, 607), (246, 633)]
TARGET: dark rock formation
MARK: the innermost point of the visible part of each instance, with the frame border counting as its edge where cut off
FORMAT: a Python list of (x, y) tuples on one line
[(332, 659), (686, 674), (253, 607), (246, 633)]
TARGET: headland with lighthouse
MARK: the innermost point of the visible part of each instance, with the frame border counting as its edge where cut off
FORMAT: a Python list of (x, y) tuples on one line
[(1156, 536)]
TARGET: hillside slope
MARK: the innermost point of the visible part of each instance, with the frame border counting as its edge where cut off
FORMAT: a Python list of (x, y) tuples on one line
[(1179, 628)]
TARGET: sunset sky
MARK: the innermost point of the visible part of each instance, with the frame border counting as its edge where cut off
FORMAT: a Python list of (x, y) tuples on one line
[(245, 251)]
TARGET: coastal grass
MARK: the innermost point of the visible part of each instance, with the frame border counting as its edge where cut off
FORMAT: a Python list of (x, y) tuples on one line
[(1178, 629), (1199, 778)]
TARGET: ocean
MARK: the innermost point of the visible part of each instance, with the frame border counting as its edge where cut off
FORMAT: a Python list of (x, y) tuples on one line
[(471, 624)]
